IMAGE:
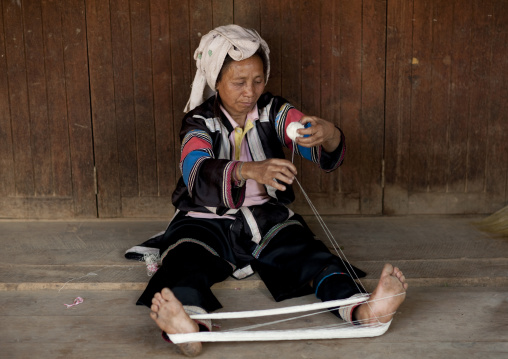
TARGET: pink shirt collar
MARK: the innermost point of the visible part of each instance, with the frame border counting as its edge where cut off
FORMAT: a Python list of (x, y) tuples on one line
[(253, 115)]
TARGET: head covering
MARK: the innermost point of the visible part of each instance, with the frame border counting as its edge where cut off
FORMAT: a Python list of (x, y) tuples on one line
[(233, 40)]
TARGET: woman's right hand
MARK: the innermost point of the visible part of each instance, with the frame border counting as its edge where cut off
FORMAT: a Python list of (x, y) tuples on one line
[(265, 172)]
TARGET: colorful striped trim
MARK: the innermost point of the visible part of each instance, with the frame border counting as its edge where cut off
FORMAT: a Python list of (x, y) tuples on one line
[(346, 312), (315, 154), (196, 147), (286, 115), (342, 154), (190, 161), (195, 241), (311, 154), (271, 234), (227, 186), (191, 177), (196, 134), (323, 279), (194, 144), (280, 122)]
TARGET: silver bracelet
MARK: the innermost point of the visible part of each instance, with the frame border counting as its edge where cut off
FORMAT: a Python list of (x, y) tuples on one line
[(240, 172), (240, 181)]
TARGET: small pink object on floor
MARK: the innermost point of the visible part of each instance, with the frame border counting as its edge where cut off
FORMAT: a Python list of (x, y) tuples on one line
[(77, 301)]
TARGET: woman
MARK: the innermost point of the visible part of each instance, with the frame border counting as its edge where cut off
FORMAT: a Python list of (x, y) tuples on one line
[(231, 216)]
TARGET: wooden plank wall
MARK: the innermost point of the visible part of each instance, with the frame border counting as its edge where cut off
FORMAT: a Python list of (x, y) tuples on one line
[(446, 107), (92, 94), (46, 152), (141, 67)]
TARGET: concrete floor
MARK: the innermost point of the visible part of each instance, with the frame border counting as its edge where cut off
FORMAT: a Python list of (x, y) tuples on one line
[(456, 306)]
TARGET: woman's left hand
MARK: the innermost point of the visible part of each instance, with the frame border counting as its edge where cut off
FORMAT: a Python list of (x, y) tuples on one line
[(321, 133)]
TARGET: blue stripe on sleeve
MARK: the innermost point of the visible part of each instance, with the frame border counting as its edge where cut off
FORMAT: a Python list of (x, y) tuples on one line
[(189, 162), (305, 152)]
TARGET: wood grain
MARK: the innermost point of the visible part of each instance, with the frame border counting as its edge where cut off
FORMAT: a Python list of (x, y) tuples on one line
[(92, 93)]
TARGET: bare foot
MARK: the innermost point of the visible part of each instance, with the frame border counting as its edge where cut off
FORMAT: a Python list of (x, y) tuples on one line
[(168, 313), (392, 286)]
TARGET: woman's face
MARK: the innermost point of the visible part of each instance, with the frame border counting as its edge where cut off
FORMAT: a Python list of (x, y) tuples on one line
[(240, 87)]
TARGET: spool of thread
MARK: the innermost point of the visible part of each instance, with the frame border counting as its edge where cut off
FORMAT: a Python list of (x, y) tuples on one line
[(292, 128)]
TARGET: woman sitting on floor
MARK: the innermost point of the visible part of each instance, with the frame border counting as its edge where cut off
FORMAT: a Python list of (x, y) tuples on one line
[(231, 215)]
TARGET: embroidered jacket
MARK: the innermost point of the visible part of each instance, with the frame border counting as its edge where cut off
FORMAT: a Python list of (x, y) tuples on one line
[(207, 169), (207, 163)]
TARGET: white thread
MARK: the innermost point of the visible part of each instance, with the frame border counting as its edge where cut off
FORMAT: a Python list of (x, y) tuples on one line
[(292, 128), (279, 311), (331, 238), (83, 276), (365, 329), (331, 305), (267, 335), (329, 235)]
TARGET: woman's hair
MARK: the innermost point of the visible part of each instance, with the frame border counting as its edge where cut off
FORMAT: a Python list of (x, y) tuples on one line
[(225, 65)]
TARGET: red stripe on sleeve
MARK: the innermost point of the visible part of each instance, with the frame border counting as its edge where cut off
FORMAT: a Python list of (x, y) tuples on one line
[(293, 116), (192, 145)]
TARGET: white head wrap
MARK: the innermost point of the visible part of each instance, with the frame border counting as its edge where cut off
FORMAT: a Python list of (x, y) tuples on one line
[(233, 40)]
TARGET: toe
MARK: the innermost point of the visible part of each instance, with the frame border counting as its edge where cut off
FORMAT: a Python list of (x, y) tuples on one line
[(389, 268), (154, 315), (167, 295), (156, 302)]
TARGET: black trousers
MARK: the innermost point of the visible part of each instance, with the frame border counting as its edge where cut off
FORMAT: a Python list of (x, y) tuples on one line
[(198, 253)]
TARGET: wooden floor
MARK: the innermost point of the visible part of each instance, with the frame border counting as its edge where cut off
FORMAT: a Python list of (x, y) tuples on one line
[(456, 306)]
